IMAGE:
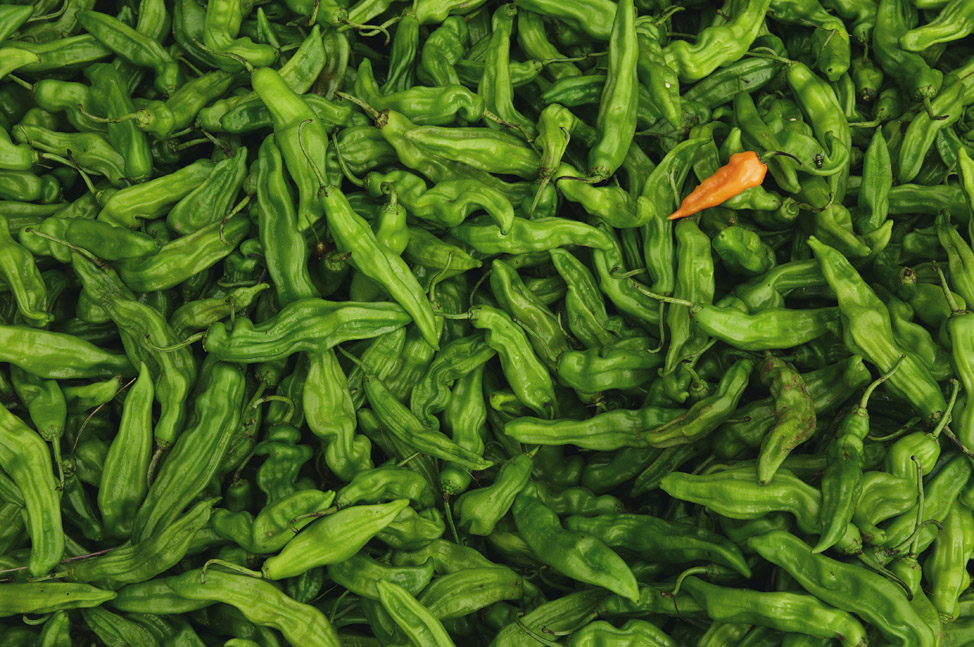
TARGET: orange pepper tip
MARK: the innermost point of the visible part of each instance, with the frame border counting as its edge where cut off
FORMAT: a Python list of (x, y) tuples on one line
[(679, 213)]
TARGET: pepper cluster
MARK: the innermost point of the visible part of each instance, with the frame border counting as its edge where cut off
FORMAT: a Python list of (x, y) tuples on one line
[(456, 322)]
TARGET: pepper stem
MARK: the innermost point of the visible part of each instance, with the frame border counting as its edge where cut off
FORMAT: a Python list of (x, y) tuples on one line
[(216, 52), (228, 565), (288, 402), (236, 209), (955, 309), (344, 166), (764, 157), (311, 515), (663, 297), (352, 358), (372, 112), (945, 418), (882, 378), (84, 252), (24, 84), (696, 570), (192, 339)]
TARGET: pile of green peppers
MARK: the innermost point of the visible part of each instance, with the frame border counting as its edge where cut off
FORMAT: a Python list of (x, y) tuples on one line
[(362, 322)]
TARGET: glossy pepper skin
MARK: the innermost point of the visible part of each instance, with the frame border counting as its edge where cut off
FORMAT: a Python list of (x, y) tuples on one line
[(24, 456), (175, 371), (332, 539), (48, 597), (794, 415), (197, 452), (736, 493), (716, 45), (616, 124), (909, 70), (20, 273), (867, 331), (869, 595), (308, 324), (784, 611), (353, 235), (260, 602), (528, 377), (842, 481), (652, 536), (122, 487), (583, 557)]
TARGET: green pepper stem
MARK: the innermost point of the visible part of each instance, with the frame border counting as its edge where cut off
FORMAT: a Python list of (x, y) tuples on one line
[(24, 84), (920, 505), (372, 112), (764, 157), (352, 358), (311, 515), (70, 161), (436, 278), (663, 297), (882, 378), (216, 52), (288, 402), (344, 166), (909, 424), (767, 52), (955, 309), (319, 173), (448, 513), (228, 565), (103, 120), (696, 570), (541, 639), (945, 418), (84, 252), (954, 439), (192, 339), (870, 562)]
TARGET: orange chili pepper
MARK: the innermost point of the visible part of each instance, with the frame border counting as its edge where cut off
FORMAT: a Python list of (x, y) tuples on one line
[(743, 171)]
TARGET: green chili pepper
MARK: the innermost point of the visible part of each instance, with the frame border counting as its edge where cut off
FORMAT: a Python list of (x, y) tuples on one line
[(415, 620), (146, 559), (842, 481), (945, 108), (616, 122), (845, 587), (867, 331), (399, 421), (48, 597), (332, 539), (260, 602), (794, 415), (954, 21), (197, 452), (736, 493), (308, 324), (907, 69), (577, 555), (650, 536), (784, 611), (441, 51), (24, 456), (360, 574), (716, 45), (458, 594)]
